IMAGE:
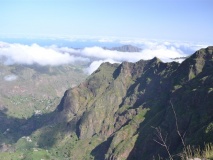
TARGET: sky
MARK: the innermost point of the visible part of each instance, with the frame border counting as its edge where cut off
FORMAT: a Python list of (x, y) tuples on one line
[(57, 32), (182, 20)]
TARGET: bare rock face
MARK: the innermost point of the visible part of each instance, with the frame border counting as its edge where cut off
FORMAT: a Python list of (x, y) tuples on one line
[(120, 105)]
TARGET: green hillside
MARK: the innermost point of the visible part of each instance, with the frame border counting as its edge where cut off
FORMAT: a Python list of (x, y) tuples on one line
[(143, 110)]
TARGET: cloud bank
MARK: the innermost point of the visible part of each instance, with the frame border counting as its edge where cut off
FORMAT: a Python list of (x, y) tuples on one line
[(24, 54), (94, 56)]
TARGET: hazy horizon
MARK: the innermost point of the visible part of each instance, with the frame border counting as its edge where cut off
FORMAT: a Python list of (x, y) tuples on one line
[(57, 32), (92, 52), (176, 20)]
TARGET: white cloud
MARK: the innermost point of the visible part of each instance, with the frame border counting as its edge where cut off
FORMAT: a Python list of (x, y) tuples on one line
[(95, 64), (11, 77), (53, 55), (24, 54), (106, 40), (162, 52)]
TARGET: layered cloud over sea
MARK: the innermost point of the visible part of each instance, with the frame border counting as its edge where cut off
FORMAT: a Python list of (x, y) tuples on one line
[(93, 55)]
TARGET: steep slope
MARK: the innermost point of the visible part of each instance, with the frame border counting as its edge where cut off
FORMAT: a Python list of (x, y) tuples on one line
[(120, 105), (115, 112), (191, 96)]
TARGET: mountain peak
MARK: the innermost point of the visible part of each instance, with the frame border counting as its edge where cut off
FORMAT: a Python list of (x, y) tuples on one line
[(127, 48), (112, 112), (204, 53), (210, 47), (195, 64), (155, 60), (118, 103)]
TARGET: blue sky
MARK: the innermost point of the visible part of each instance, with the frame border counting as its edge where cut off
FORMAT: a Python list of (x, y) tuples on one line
[(183, 20)]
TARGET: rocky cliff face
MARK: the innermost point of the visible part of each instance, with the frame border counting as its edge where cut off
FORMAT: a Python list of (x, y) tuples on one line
[(114, 113), (120, 105)]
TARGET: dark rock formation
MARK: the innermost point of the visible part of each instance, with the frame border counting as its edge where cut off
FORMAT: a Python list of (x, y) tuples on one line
[(120, 105)]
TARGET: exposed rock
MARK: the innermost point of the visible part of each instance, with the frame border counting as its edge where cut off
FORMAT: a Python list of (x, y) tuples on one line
[(112, 114), (121, 103)]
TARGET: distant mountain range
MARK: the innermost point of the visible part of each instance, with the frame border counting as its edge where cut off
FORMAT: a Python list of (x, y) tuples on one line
[(124, 48), (143, 110)]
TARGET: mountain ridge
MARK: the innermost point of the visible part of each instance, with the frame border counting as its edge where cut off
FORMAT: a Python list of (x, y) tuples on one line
[(125, 48), (131, 87), (114, 112)]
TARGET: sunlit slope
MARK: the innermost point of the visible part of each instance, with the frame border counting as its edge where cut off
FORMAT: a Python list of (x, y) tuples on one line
[(35, 89)]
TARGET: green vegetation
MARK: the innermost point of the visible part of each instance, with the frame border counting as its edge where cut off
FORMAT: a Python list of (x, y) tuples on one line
[(33, 154), (196, 152), (112, 114), (31, 106), (36, 87)]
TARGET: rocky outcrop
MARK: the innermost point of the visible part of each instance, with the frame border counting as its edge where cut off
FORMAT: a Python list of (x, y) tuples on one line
[(120, 105)]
